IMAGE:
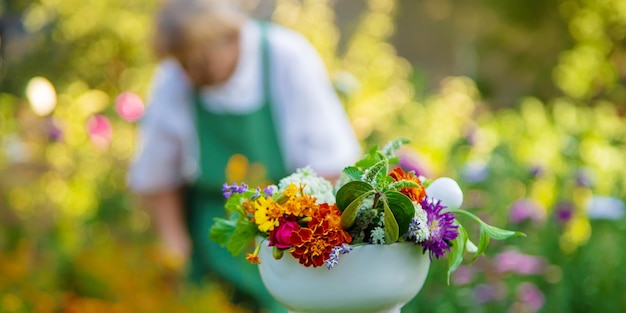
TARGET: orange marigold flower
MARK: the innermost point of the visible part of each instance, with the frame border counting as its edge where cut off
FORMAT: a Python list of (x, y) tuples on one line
[(248, 207), (253, 258), (414, 193)]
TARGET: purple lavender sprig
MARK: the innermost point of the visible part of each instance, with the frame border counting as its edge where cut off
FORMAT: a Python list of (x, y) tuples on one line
[(333, 260), (228, 190)]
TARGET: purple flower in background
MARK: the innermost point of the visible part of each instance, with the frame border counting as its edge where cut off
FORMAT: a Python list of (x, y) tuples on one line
[(530, 296), (516, 262), (228, 190), (563, 211), (55, 132), (409, 160), (471, 135), (441, 226), (526, 209), (536, 171), (463, 275), (484, 293), (584, 178), (608, 208)]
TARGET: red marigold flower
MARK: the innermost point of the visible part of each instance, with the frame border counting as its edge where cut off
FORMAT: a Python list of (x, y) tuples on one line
[(313, 245), (414, 193)]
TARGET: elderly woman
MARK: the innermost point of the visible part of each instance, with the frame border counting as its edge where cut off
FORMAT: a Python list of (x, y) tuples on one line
[(230, 88)]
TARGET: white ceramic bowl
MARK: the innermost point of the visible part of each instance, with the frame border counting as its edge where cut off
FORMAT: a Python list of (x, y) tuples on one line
[(371, 278)]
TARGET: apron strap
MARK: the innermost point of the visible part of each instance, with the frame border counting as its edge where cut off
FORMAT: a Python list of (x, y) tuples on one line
[(265, 62)]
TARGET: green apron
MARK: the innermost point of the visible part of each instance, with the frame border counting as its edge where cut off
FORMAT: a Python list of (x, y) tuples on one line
[(221, 136)]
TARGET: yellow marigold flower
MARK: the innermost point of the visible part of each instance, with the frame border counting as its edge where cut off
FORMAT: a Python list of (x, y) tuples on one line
[(262, 214), (290, 191)]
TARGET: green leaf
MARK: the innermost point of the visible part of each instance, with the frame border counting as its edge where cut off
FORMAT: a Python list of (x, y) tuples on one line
[(353, 172), (348, 216), (222, 230), (370, 159), (403, 184), (492, 231), (455, 258), (500, 234), (233, 204), (392, 147), (349, 192), (244, 234), (483, 243), (384, 182), (392, 232), (370, 174), (402, 208), (394, 160)]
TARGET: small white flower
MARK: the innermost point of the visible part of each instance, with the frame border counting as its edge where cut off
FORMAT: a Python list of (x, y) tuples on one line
[(419, 224), (314, 185), (378, 236)]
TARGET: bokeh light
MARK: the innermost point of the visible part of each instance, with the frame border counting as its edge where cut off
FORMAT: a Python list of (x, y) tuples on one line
[(100, 130), (129, 106), (41, 96)]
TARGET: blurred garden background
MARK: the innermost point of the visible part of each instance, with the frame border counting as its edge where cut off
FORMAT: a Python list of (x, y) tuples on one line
[(522, 101)]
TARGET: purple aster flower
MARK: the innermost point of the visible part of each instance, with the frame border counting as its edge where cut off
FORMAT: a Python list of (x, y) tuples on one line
[(441, 226), (333, 259)]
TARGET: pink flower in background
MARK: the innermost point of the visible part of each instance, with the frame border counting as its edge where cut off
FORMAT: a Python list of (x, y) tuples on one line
[(129, 106), (100, 130), (463, 275), (530, 296), (526, 209), (516, 262)]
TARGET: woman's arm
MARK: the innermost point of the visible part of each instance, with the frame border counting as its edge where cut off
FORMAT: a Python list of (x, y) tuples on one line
[(166, 209)]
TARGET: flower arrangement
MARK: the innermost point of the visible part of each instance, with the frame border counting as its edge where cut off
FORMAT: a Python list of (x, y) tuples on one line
[(373, 203)]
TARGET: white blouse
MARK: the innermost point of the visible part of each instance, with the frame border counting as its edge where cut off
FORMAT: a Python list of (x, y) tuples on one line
[(312, 126)]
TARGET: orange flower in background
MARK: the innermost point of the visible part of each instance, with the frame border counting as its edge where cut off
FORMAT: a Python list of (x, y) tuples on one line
[(313, 245), (414, 193)]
